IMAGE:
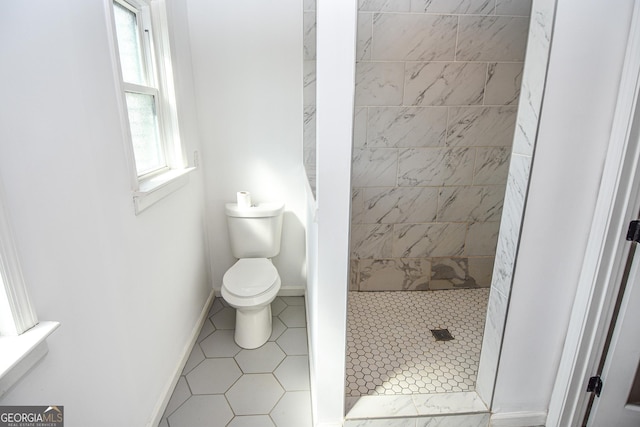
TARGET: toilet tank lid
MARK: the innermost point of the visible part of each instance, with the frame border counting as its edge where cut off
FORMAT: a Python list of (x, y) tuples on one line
[(260, 210)]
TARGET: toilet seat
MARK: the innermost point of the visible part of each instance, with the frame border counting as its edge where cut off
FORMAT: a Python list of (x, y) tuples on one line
[(250, 277), (249, 286)]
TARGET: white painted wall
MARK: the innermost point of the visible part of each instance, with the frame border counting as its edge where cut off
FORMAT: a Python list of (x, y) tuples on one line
[(247, 62), (336, 35), (127, 289), (576, 118)]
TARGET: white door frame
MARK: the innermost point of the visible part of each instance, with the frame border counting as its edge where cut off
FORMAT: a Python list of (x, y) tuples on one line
[(621, 358), (618, 202)]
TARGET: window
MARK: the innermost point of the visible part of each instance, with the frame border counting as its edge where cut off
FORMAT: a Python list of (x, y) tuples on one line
[(148, 101)]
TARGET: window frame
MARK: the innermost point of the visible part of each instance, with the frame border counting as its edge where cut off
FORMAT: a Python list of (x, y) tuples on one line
[(149, 188), (22, 336), (18, 314)]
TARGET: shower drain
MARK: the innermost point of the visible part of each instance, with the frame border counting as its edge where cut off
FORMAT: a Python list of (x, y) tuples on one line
[(442, 334)]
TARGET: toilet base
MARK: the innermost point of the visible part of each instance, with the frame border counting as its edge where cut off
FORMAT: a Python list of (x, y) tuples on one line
[(253, 326)]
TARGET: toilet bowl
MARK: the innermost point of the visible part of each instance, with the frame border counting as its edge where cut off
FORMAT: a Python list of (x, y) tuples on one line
[(250, 286)]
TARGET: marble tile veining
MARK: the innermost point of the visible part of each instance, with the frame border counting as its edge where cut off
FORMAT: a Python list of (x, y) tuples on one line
[(374, 167), (384, 5), (492, 166), (394, 274), (428, 240), (406, 126), (309, 36), (413, 37), (482, 238), (481, 269), (399, 205), (360, 123), (460, 272), (510, 221), (503, 83), (364, 36), (533, 78), (464, 420), (435, 166), (444, 83), (492, 38), (481, 126), (379, 83), (513, 7), (309, 82), (491, 341), (371, 241), (357, 205), (474, 203), (438, 86), (475, 7)]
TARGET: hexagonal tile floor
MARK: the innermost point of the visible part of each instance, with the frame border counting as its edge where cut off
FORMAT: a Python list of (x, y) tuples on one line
[(391, 350), (224, 385)]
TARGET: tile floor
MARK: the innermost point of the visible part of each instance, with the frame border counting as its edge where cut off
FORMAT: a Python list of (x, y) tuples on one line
[(223, 385), (390, 348)]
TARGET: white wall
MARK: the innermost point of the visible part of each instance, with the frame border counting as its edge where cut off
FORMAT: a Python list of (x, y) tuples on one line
[(127, 289), (336, 34), (576, 118), (247, 61)]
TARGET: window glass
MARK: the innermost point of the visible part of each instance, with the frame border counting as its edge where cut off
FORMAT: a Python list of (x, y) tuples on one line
[(143, 121), (129, 45)]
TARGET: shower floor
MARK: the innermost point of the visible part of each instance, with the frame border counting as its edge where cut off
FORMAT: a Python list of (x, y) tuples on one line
[(391, 350)]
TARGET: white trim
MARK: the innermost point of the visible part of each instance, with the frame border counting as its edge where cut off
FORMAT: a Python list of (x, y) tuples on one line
[(18, 354), (335, 91), (119, 93), (174, 148), (162, 403), (618, 202), (518, 419), (149, 190), (292, 291), (160, 186), (22, 339), (18, 315)]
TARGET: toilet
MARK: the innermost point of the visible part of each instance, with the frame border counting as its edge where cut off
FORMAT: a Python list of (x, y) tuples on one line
[(253, 282)]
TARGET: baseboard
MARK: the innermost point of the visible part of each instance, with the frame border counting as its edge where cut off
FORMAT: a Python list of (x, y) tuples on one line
[(292, 291), (518, 419), (168, 391), (312, 371)]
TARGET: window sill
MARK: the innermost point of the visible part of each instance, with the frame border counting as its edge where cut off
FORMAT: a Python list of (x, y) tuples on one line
[(18, 354), (155, 189)]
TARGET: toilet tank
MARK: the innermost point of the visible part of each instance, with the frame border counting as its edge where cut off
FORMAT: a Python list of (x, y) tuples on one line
[(255, 231)]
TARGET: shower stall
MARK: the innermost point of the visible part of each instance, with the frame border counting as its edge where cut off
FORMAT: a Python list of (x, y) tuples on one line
[(436, 95), (441, 149)]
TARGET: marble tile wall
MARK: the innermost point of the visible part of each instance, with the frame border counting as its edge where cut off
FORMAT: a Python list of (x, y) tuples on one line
[(533, 83), (437, 91), (309, 91)]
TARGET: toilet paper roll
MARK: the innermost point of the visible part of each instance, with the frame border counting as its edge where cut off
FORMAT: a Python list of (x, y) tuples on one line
[(244, 199)]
